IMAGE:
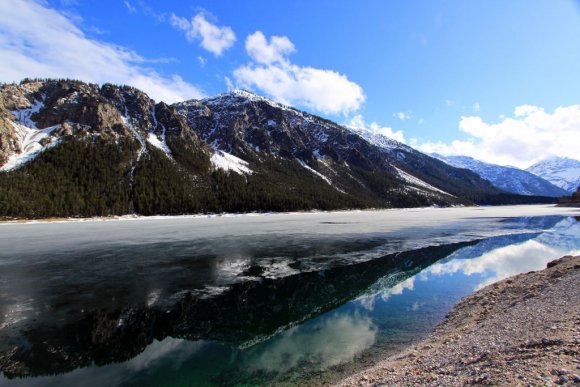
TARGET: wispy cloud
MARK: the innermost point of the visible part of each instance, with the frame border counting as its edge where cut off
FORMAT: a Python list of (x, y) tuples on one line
[(135, 6), (229, 84), (130, 6), (212, 37), (532, 134), (403, 116), (271, 72), (42, 42)]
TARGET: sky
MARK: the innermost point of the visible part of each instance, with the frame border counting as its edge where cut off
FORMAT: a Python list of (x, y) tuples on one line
[(493, 79)]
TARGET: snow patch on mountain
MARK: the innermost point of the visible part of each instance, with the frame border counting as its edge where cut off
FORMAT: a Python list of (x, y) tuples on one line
[(228, 162), (32, 143), (23, 116), (158, 143), (417, 182), (237, 97), (306, 166), (379, 140)]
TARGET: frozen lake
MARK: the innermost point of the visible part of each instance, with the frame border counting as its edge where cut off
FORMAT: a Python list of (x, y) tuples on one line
[(249, 299)]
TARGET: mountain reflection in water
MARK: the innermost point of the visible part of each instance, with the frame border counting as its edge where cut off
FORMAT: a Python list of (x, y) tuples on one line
[(238, 321)]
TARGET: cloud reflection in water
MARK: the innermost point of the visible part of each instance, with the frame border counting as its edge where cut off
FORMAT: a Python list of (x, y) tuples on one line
[(328, 342), (506, 261)]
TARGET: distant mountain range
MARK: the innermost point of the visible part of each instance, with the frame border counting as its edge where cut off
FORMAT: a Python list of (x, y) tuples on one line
[(68, 148), (560, 171), (509, 179)]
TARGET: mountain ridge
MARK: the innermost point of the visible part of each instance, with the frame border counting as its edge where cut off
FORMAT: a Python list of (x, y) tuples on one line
[(78, 149), (509, 179)]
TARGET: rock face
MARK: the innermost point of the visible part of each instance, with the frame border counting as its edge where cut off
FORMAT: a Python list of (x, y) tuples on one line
[(519, 331), (506, 178), (250, 126), (561, 171), (73, 108), (113, 150)]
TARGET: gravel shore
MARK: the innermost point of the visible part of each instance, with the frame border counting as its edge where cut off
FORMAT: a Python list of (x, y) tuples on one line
[(522, 331)]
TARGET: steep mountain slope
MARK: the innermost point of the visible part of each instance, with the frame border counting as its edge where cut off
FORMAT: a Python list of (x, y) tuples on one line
[(560, 171), (506, 178), (268, 135), (75, 149), (252, 127), (68, 148), (95, 151)]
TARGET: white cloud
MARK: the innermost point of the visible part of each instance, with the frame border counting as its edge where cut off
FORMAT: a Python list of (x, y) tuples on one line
[(213, 38), (502, 262), (263, 52), (531, 135), (271, 72), (37, 41), (130, 6), (328, 342), (476, 107), (229, 83), (358, 122), (403, 116)]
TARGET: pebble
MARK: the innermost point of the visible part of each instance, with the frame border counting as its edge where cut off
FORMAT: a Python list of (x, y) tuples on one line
[(562, 379)]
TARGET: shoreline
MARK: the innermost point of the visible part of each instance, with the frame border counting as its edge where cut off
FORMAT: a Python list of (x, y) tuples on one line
[(213, 215), (133, 217), (523, 330)]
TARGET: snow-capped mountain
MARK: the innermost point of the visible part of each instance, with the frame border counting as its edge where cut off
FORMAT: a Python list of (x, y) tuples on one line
[(509, 179), (560, 171), (68, 148), (255, 128), (459, 181)]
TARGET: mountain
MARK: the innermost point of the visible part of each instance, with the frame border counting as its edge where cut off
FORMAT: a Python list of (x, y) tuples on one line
[(560, 171), (509, 179), (457, 181), (69, 148)]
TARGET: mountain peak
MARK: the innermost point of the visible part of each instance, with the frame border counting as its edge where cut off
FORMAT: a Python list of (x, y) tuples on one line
[(237, 96), (561, 171)]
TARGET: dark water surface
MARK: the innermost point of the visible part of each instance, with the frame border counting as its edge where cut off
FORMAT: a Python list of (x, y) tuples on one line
[(279, 299)]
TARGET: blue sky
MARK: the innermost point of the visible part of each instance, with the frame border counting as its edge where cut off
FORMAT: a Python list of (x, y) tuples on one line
[(497, 80)]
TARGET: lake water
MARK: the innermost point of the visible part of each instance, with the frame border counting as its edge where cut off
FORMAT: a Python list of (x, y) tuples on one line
[(249, 300)]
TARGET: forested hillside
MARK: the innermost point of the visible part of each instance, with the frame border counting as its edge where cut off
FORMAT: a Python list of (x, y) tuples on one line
[(68, 148)]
